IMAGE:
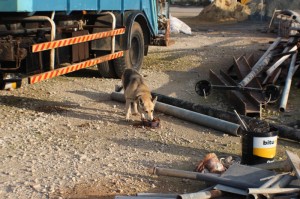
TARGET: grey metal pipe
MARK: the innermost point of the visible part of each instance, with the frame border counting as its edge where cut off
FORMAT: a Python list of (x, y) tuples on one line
[(270, 71), (284, 181), (260, 64), (287, 86), (202, 177), (198, 118), (291, 13), (270, 182), (201, 195), (284, 131)]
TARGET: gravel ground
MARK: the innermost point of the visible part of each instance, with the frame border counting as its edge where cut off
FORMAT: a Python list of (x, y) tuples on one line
[(65, 138)]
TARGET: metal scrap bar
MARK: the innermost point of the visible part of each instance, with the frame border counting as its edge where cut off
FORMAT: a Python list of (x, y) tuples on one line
[(164, 195), (283, 182), (280, 61), (279, 181), (271, 181), (272, 190), (230, 189), (273, 78), (250, 100), (243, 68), (293, 14), (260, 64), (287, 86), (201, 176), (201, 195), (295, 161), (242, 103)]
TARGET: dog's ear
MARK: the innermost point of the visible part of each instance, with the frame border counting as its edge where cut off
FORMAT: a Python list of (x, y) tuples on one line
[(140, 101), (154, 99)]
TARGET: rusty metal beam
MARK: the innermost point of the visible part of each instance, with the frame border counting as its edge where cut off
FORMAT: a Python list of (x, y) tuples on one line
[(242, 103)]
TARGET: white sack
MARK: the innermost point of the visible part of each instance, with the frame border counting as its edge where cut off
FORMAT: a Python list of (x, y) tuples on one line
[(178, 26)]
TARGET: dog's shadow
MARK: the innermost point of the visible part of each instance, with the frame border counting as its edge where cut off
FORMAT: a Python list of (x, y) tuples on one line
[(106, 109)]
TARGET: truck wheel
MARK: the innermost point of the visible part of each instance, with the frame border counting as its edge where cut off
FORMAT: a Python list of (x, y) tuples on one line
[(106, 69), (133, 57)]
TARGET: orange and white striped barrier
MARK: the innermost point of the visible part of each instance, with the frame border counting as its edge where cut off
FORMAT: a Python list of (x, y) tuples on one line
[(68, 69), (75, 40)]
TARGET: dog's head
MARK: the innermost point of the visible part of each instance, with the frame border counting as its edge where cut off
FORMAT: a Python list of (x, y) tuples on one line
[(146, 106)]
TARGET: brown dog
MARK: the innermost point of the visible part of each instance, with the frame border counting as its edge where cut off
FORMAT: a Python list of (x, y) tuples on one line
[(138, 93)]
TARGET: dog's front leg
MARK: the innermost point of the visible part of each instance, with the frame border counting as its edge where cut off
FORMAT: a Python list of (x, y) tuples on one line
[(128, 109), (135, 109), (142, 116)]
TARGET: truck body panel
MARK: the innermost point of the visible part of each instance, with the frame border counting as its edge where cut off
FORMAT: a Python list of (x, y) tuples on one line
[(31, 6)]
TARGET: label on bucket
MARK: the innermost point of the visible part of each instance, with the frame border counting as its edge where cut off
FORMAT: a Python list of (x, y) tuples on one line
[(265, 146)]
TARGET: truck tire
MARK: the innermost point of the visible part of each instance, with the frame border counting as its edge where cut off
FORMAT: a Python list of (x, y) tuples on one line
[(106, 69), (133, 57)]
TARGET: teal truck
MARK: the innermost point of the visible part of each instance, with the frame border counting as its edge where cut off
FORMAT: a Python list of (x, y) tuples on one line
[(42, 39)]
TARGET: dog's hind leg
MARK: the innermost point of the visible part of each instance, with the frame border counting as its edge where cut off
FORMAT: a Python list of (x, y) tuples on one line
[(128, 109)]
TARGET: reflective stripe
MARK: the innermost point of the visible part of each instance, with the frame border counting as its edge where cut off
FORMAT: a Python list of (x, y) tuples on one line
[(61, 71), (75, 40)]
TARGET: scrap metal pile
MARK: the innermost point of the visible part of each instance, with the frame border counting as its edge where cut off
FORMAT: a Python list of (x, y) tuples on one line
[(236, 181), (253, 84)]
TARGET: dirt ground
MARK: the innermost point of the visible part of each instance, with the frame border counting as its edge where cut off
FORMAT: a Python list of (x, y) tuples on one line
[(65, 137)]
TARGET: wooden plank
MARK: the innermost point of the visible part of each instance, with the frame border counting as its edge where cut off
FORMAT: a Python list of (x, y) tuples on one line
[(295, 161)]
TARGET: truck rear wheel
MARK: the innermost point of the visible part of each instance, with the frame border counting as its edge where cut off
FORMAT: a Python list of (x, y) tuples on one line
[(106, 69), (133, 57)]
